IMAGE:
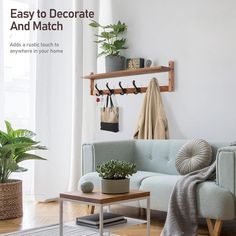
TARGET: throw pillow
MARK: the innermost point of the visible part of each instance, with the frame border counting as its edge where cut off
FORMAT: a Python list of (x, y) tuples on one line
[(194, 155)]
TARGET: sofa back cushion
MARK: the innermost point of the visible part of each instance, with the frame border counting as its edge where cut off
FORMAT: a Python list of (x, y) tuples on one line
[(159, 155)]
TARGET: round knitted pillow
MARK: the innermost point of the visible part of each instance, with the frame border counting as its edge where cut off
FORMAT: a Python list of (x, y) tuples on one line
[(193, 155)]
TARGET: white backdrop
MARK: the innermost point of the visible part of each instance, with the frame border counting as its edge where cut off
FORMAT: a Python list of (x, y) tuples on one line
[(200, 37)]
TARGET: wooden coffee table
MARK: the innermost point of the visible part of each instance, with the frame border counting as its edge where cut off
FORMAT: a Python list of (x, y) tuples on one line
[(101, 200)]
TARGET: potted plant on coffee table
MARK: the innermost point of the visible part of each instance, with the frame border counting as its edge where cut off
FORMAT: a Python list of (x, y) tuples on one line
[(115, 175), (111, 43), (15, 146)]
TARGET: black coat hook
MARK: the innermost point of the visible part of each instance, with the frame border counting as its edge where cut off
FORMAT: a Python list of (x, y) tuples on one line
[(122, 89), (100, 92), (110, 90), (137, 90)]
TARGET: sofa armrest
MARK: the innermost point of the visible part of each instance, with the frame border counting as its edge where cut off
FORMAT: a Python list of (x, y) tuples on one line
[(226, 168), (94, 154)]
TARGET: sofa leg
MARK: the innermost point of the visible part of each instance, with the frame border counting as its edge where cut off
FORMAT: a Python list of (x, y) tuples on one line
[(214, 229), (142, 211), (90, 209)]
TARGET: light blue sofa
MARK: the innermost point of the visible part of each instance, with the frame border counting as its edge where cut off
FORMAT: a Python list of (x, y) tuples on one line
[(155, 160)]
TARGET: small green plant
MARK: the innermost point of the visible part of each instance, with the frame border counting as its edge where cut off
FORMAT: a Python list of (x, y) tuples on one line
[(14, 148), (109, 39), (114, 169)]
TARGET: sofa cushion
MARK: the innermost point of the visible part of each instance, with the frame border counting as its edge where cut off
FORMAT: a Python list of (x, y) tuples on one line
[(157, 156), (193, 155), (161, 188), (213, 201)]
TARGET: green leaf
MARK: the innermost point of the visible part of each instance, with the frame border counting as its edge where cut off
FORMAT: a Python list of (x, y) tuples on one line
[(9, 128), (23, 133), (94, 24), (99, 41), (119, 27), (11, 165), (21, 169), (108, 46), (119, 44), (23, 140), (29, 148), (19, 151), (6, 151), (108, 26), (3, 138), (107, 35), (27, 156)]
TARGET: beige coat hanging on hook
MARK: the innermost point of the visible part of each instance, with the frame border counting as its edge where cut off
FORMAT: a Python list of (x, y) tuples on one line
[(152, 123)]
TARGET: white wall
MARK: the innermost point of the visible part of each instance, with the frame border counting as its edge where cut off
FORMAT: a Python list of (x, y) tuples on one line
[(200, 37)]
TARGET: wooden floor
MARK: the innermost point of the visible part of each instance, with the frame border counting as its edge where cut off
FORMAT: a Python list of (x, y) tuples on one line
[(39, 214)]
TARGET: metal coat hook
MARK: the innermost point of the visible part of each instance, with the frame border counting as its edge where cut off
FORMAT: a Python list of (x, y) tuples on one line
[(100, 92), (110, 90), (122, 89), (137, 90)]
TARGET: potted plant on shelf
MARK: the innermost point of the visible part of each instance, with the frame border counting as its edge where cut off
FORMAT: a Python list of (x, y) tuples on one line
[(115, 175), (111, 43), (15, 146)]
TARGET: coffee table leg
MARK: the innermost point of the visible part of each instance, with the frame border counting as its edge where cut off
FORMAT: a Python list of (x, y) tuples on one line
[(148, 216), (61, 217), (108, 210), (101, 220)]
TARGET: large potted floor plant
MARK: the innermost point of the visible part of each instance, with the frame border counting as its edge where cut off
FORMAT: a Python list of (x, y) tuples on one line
[(115, 175), (15, 147), (111, 43)]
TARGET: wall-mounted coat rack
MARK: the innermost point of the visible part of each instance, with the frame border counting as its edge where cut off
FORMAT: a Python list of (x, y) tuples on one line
[(124, 73)]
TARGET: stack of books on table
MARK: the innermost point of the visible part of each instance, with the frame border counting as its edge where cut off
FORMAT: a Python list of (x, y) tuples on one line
[(109, 219)]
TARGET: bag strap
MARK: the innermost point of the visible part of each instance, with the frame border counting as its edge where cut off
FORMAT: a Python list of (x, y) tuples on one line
[(112, 105), (107, 101)]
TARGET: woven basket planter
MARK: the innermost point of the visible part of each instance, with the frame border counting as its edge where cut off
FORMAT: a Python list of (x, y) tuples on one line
[(11, 200)]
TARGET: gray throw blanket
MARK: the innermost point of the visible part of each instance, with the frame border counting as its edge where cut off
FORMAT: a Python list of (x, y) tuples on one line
[(182, 215)]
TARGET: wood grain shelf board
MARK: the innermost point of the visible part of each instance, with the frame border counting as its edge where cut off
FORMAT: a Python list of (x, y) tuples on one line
[(100, 198), (122, 73)]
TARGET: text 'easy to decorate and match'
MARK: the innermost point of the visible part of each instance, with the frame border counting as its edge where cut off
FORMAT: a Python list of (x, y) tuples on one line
[(36, 19)]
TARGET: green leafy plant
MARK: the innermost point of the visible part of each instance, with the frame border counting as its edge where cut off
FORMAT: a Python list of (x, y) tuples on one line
[(109, 39), (15, 146), (114, 169)]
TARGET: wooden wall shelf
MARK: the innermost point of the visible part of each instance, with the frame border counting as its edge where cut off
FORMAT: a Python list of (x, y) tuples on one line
[(124, 73)]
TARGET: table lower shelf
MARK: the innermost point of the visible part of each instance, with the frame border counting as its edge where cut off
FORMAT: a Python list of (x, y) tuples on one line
[(130, 222)]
